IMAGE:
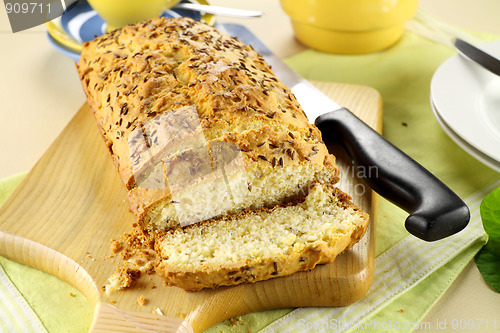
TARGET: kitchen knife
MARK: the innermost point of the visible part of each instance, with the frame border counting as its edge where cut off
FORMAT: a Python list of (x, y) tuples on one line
[(435, 211), (473, 53)]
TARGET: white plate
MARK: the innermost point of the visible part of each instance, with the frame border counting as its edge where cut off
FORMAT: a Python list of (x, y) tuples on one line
[(466, 100), (485, 159)]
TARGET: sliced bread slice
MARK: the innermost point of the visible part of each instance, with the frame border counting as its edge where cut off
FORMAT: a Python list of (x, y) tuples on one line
[(257, 245)]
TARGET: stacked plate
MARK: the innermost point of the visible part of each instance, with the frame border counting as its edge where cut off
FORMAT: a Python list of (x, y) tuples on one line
[(80, 23), (466, 102)]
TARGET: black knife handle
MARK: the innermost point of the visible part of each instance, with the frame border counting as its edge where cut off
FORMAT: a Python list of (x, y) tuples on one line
[(435, 211)]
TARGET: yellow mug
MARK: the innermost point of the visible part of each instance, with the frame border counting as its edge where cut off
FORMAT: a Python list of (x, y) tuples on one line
[(119, 13), (349, 26)]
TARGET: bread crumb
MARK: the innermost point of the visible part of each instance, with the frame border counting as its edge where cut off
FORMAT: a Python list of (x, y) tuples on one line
[(235, 321), (116, 246), (123, 278), (72, 295), (157, 311), (141, 301), (112, 301), (87, 254), (136, 251)]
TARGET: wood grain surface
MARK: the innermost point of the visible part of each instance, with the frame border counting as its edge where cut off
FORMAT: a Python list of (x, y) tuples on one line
[(64, 215)]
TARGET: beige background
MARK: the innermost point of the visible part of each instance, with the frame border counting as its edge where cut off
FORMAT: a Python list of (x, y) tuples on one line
[(40, 92)]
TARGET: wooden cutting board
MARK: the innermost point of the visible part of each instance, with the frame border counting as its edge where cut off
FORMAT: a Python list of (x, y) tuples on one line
[(62, 217)]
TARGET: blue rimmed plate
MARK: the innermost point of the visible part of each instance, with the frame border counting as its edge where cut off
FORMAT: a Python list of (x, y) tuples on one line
[(73, 54)]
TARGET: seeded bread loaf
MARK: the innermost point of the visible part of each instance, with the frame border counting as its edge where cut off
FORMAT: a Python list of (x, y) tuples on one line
[(173, 98), (224, 172)]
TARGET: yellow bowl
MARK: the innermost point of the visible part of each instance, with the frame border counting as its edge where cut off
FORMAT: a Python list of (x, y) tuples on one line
[(118, 13), (349, 26)]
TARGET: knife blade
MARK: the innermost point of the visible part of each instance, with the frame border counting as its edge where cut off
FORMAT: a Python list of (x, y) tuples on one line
[(435, 210), (477, 55), (216, 10)]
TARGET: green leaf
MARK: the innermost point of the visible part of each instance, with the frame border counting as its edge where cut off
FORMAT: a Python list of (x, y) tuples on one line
[(490, 214), (488, 258), (488, 262)]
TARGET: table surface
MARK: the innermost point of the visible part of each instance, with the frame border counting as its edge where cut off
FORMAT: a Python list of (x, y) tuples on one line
[(40, 93)]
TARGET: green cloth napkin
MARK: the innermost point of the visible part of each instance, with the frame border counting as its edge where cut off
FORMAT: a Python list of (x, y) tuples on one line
[(402, 75)]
